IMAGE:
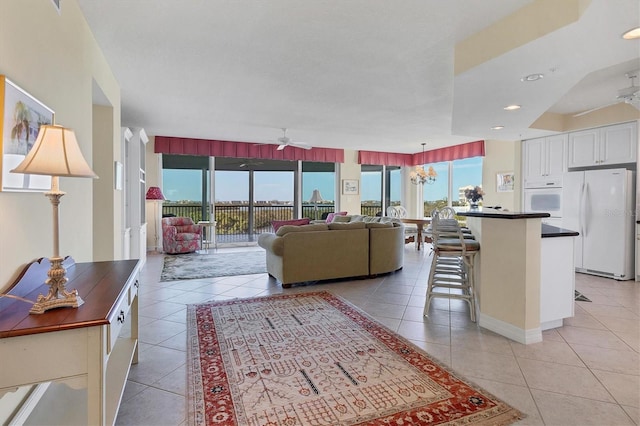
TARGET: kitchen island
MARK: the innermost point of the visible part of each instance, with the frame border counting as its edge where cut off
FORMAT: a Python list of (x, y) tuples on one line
[(515, 281)]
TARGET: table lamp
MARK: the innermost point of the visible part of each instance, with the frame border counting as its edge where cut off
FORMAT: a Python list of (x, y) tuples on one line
[(55, 153), (154, 194), (315, 199)]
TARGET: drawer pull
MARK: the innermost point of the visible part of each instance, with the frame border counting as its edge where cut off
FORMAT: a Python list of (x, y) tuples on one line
[(136, 284), (121, 317)]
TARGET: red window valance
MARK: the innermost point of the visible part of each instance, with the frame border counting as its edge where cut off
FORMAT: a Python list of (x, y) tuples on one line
[(214, 148), (384, 158), (450, 153)]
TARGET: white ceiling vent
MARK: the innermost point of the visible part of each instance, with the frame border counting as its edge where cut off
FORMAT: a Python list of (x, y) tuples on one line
[(56, 4)]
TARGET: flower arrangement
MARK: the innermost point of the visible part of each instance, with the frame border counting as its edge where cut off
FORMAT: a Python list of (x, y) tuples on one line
[(474, 195)]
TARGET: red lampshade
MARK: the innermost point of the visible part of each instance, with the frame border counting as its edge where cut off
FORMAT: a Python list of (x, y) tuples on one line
[(154, 193)]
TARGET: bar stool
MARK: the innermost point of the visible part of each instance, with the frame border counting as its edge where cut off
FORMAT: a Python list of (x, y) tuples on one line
[(452, 264)]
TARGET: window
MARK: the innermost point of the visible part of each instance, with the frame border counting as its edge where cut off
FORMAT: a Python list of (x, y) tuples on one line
[(320, 176), (371, 190), (453, 178), (436, 195), (466, 173)]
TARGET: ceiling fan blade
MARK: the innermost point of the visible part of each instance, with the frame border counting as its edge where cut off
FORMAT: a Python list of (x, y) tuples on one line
[(596, 108), (281, 147), (300, 145)]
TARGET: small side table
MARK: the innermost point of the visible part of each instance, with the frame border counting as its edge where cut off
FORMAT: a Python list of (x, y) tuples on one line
[(208, 228)]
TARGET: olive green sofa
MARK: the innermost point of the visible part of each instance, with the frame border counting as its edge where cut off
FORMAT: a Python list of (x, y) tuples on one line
[(356, 246)]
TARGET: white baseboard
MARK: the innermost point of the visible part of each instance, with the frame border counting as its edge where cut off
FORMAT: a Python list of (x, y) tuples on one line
[(510, 331)]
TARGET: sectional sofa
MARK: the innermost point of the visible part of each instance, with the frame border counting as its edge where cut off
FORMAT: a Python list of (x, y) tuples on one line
[(350, 246)]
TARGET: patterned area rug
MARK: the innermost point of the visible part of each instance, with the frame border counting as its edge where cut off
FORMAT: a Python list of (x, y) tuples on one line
[(193, 265), (314, 359)]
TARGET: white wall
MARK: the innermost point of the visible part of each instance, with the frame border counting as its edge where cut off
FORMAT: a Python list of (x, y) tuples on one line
[(56, 59)]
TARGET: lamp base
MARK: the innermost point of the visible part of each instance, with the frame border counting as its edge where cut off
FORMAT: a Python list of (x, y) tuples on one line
[(58, 296)]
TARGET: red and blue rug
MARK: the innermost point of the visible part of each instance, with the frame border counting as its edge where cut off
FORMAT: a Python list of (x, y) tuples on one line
[(314, 359)]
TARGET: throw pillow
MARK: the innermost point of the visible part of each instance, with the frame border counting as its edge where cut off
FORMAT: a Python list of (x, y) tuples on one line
[(295, 222), (331, 216)]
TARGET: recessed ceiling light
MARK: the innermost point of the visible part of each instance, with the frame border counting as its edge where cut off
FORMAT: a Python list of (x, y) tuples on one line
[(497, 128), (512, 107), (532, 77), (632, 34)]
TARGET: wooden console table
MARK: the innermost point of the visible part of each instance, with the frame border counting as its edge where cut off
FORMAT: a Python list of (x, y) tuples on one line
[(90, 347)]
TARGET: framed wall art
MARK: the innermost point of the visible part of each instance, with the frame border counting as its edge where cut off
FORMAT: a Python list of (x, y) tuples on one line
[(505, 181), (350, 186), (20, 118)]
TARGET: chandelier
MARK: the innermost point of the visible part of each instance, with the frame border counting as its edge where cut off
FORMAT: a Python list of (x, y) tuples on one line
[(421, 176)]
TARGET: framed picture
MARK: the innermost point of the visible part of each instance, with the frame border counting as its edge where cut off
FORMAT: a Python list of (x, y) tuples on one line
[(504, 182), (20, 118), (350, 186)]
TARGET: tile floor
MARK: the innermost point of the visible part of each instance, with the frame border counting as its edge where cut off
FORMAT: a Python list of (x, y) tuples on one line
[(585, 373)]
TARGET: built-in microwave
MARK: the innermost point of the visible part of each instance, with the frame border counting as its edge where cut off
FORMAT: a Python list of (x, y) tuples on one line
[(543, 200)]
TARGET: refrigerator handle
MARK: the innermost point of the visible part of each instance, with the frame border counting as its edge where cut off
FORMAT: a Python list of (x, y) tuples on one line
[(583, 208)]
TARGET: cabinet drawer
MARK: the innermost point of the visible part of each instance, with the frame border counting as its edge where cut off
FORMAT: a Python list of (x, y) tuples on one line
[(120, 316)]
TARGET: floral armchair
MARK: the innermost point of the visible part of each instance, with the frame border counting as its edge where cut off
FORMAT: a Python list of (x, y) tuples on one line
[(180, 235)]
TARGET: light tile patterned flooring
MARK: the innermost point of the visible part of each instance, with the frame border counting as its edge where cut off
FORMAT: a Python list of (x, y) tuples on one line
[(584, 373)]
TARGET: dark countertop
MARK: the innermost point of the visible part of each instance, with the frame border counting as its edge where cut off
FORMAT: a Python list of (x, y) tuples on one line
[(549, 231), (500, 214)]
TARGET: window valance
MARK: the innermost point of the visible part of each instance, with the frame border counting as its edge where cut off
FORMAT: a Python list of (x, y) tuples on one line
[(450, 153), (215, 148)]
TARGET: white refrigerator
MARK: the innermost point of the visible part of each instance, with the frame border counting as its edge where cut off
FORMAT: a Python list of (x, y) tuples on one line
[(600, 205)]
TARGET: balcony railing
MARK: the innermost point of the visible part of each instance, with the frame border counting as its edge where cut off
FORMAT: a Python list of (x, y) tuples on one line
[(235, 225)]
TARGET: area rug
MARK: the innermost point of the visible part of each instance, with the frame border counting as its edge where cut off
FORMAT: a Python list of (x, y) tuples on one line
[(193, 265), (314, 359)]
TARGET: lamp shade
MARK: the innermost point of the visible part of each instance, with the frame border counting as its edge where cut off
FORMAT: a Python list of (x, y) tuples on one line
[(55, 153), (154, 194), (315, 197)]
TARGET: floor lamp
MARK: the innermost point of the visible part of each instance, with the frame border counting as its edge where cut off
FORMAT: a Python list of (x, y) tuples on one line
[(315, 199), (55, 153), (155, 194)]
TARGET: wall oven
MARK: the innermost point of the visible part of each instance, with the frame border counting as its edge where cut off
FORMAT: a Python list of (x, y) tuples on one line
[(544, 200)]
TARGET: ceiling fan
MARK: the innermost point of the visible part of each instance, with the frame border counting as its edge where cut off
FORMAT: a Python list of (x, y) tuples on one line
[(629, 95), (285, 141)]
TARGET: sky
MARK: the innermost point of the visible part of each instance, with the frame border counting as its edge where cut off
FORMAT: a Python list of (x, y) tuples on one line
[(179, 185)]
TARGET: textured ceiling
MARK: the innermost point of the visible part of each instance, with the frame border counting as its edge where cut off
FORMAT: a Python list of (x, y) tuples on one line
[(357, 74)]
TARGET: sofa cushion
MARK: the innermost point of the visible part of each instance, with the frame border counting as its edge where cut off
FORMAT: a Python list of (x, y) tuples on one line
[(295, 222), (369, 219), (350, 225), (341, 219), (285, 229), (331, 216), (379, 225)]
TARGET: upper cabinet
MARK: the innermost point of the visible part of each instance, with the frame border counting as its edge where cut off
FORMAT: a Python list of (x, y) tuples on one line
[(544, 159), (603, 146)]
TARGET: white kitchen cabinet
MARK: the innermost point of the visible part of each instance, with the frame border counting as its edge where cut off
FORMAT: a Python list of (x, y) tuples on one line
[(544, 159), (557, 281), (603, 146)]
